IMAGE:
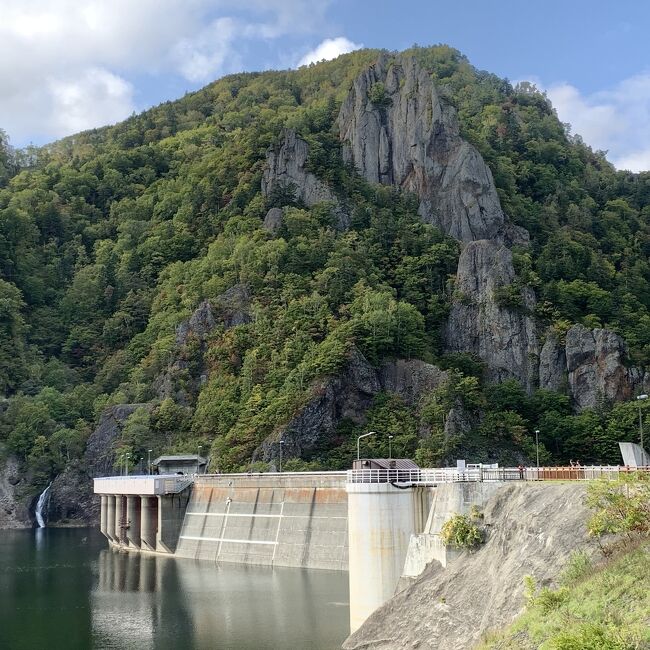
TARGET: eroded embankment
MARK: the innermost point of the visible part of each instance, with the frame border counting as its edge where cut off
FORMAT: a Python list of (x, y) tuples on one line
[(532, 530)]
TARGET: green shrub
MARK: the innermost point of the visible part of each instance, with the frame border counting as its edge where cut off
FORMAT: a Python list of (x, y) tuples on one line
[(578, 566), (462, 531)]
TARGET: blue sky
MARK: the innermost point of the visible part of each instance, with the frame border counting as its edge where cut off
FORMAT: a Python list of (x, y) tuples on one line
[(67, 65)]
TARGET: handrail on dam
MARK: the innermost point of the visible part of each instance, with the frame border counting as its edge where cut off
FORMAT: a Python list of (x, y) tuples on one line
[(429, 477)]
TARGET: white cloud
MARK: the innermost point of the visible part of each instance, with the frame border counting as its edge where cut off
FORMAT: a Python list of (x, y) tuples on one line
[(330, 48), (66, 64), (95, 97), (616, 120)]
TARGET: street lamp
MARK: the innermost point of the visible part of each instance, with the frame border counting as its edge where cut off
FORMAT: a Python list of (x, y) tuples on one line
[(639, 399), (281, 443), (390, 447), (364, 435), (126, 464), (149, 460), (537, 445), (198, 458)]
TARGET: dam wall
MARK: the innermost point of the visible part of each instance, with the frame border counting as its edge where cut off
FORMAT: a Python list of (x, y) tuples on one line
[(272, 520), (448, 499)]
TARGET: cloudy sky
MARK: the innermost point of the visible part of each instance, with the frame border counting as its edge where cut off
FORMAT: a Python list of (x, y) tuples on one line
[(68, 65)]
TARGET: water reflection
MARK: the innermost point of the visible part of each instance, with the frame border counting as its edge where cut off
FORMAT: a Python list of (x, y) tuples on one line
[(64, 590), (157, 602)]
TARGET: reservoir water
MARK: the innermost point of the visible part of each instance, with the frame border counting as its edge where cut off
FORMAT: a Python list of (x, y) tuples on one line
[(64, 589)]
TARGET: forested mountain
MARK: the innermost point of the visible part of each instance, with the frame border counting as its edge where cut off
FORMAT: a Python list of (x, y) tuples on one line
[(277, 256)]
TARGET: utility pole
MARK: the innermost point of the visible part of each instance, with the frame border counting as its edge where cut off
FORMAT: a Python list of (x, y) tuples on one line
[(198, 458), (149, 461), (281, 443), (640, 398), (537, 445)]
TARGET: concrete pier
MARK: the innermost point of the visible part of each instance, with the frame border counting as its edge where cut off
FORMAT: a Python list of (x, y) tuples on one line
[(133, 520), (110, 518), (148, 523), (102, 514), (120, 519), (381, 520)]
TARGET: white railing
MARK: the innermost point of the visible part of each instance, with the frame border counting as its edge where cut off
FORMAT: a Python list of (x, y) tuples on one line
[(478, 474)]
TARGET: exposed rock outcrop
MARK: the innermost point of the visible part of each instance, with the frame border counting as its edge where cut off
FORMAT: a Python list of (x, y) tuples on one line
[(411, 379), (399, 131), (532, 531), (273, 220), (14, 501), (231, 308), (348, 394), (480, 322), (552, 365), (71, 496), (286, 169), (592, 366)]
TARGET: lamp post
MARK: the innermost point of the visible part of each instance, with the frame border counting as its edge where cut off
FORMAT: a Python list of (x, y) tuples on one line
[(537, 445), (363, 435), (198, 458), (149, 461), (281, 443), (390, 447), (640, 398), (126, 464)]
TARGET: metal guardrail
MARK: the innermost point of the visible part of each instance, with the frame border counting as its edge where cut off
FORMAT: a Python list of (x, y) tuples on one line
[(479, 474)]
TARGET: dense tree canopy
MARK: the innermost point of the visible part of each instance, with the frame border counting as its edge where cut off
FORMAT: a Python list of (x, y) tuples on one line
[(110, 238)]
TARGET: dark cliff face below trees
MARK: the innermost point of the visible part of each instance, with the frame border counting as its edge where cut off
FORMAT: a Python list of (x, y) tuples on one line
[(71, 496), (348, 395)]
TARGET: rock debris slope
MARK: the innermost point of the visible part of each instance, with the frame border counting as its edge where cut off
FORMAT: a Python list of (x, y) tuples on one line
[(532, 531)]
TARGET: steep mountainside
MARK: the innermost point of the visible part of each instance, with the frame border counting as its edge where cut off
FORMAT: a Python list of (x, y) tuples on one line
[(393, 241)]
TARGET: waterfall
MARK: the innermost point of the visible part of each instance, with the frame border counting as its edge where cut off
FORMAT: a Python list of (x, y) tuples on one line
[(41, 506)]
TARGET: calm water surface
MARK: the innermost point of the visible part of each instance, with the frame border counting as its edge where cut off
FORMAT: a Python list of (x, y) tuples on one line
[(63, 588)]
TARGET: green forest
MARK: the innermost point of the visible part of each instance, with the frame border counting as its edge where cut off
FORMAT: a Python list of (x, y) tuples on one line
[(109, 239)]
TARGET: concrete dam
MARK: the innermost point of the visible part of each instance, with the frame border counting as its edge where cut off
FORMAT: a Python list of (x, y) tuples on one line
[(379, 525)]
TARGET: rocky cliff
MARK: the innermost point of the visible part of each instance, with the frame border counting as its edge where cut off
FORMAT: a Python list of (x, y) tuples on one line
[(398, 130), (532, 531), (15, 496), (483, 322), (286, 171), (348, 394), (71, 496), (592, 366), (231, 308)]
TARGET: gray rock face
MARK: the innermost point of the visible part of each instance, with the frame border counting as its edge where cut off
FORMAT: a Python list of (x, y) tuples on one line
[(286, 166), (273, 220), (71, 495), (348, 395), (231, 308), (552, 365), (409, 138), (14, 504), (595, 365), (411, 379), (503, 337), (591, 367)]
